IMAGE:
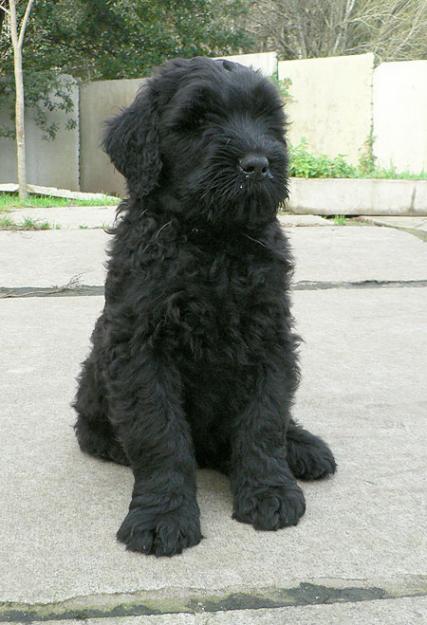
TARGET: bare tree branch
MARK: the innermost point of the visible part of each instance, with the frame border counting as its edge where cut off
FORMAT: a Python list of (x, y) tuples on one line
[(24, 22), (3, 7), (393, 30), (13, 25)]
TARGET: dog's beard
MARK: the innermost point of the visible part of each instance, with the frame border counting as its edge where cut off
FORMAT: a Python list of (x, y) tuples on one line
[(220, 195)]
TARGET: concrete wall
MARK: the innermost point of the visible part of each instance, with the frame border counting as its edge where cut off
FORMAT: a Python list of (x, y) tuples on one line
[(400, 115), (330, 103), (264, 61), (49, 163), (98, 101)]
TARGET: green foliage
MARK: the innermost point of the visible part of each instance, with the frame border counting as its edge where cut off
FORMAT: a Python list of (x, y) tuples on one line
[(108, 39), (284, 87), (367, 160), (6, 223), (392, 174), (305, 164), (45, 92), (33, 224), (144, 33)]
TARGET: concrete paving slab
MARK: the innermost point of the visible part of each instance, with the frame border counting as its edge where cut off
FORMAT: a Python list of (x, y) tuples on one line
[(292, 221), (340, 253), (363, 361), (415, 225), (68, 217), (52, 258), (352, 253), (408, 611)]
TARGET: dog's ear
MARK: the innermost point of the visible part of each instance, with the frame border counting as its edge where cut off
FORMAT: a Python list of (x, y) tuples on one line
[(132, 142)]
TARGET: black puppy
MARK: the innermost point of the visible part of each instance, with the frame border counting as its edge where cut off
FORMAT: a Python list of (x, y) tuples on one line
[(194, 357)]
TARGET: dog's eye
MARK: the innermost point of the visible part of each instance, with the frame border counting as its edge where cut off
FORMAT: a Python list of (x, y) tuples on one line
[(197, 121), (191, 121)]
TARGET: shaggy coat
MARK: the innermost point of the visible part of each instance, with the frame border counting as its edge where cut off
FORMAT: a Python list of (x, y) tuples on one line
[(194, 357)]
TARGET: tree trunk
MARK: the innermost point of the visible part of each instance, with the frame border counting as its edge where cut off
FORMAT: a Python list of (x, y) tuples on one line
[(17, 42), (20, 126)]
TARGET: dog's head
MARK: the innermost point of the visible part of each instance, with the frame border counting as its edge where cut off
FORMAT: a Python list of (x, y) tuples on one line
[(210, 134)]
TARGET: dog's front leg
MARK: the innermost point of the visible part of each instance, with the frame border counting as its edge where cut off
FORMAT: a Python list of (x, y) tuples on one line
[(147, 412), (264, 489)]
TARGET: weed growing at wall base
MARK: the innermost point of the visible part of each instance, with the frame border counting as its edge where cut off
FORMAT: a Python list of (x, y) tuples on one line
[(305, 164), (6, 223)]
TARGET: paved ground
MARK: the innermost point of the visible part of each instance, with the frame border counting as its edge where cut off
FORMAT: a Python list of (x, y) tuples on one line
[(414, 225), (360, 553), (337, 254), (73, 217)]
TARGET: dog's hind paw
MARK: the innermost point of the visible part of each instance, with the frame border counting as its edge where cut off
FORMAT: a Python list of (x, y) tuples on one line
[(308, 456), (270, 509), (164, 534)]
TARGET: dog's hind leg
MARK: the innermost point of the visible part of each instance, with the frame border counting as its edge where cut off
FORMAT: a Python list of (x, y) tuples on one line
[(308, 456), (94, 432)]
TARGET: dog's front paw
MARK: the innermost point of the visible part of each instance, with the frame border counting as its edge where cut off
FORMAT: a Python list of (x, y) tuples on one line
[(164, 534), (270, 508)]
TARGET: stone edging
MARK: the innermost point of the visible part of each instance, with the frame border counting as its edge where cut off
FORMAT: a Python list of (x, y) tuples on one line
[(356, 196), (12, 187)]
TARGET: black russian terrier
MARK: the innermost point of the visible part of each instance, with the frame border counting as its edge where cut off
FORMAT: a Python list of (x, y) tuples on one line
[(194, 357)]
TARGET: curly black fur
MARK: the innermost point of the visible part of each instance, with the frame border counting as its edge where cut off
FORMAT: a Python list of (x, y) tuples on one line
[(194, 358)]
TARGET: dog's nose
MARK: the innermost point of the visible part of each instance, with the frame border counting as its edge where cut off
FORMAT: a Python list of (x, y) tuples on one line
[(254, 165)]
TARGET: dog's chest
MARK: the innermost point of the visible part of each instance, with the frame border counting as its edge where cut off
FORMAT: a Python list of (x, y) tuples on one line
[(229, 308)]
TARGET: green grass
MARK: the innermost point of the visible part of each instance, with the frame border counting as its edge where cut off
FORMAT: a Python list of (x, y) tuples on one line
[(6, 223), (304, 164), (11, 200), (340, 220)]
